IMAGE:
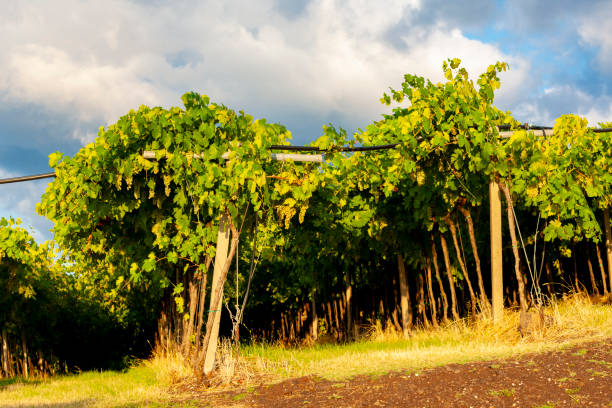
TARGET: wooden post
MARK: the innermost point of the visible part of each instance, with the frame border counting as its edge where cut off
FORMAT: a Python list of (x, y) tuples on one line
[(24, 346), (5, 355), (497, 277), (348, 310), (404, 296), (220, 259), (608, 244), (601, 269), (314, 328)]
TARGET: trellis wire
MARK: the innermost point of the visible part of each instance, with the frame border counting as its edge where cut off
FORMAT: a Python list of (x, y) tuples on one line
[(276, 156)]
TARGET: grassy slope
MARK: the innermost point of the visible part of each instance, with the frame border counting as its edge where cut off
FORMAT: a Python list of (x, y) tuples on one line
[(577, 321), (136, 387)]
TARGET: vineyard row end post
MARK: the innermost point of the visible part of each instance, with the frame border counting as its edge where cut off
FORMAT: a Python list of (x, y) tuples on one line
[(497, 277), (223, 237)]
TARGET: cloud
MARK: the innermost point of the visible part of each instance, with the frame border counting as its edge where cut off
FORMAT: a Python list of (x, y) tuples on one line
[(561, 26), (68, 66), (461, 14), (322, 57), (83, 91), (557, 17), (564, 99), (595, 30)]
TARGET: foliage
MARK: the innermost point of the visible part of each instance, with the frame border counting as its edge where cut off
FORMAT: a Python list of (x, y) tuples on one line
[(566, 177), (139, 233), (136, 212), (372, 205), (151, 225), (50, 320)]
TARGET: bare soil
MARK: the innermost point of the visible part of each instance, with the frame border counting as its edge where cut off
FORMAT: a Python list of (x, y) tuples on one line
[(576, 377)]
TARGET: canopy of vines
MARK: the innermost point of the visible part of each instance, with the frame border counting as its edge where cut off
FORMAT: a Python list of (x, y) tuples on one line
[(398, 236)]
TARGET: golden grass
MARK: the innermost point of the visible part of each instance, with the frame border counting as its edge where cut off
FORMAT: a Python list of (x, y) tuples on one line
[(576, 320), (136, 387), (149, 384), (169, 365)]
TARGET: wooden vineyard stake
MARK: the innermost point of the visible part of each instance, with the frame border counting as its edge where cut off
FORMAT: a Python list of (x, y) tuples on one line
[(608, 244), (220, 258), (497, 278), (404, 294), (347, 305)]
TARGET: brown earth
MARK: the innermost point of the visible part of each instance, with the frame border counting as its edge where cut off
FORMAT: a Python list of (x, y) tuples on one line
[(576, 377)]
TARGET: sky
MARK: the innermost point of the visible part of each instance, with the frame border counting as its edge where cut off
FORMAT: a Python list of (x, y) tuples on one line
[(68, 67)]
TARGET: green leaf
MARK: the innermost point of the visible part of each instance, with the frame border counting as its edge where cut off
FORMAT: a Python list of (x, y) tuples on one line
[(54, 159)]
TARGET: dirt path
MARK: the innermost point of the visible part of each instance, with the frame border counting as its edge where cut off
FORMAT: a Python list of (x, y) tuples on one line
[(577, 377)]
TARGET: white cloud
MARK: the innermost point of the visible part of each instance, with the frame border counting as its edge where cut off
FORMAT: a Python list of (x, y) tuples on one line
[(559, 100), (86, 91), (5, 174), (595, 29), (98, 60), (600, 112)]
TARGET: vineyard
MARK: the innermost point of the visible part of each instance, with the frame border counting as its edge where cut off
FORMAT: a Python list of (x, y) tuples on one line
[(214, 233)]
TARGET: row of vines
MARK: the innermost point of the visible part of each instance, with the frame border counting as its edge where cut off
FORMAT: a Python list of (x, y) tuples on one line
[(402, 237), (397, 237), (53, 320)]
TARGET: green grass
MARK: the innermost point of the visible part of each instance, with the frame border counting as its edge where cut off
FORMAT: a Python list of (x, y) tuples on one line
[(147, 385), (374, 358), (576, 321), (136, 387), (502, 393)]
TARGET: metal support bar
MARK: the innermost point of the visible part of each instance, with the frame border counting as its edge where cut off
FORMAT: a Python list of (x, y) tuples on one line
[(317, 158), (27, 178), (537, 132)]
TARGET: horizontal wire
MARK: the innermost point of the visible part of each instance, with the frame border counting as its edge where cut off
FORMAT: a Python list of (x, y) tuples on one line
[(27, 178), (315, 149), (333, 149), (527, 126)]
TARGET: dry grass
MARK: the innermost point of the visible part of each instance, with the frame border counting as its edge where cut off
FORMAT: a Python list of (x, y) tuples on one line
[(170, 366), (575, 320), (233, 368)]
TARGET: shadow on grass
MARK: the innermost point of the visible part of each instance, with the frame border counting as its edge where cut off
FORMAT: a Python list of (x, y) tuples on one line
[(71, 404), (10, 383), (15, 382)]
